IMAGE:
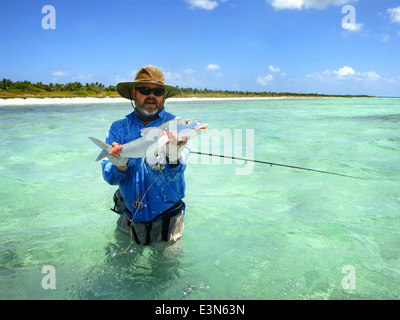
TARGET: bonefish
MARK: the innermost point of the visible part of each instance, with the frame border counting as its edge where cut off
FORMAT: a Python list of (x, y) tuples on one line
[(151, 140)]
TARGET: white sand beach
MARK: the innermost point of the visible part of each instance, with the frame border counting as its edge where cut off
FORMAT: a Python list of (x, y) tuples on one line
[(42, 101)]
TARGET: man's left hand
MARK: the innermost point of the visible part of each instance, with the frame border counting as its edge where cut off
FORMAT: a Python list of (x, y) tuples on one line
[(175, 146)]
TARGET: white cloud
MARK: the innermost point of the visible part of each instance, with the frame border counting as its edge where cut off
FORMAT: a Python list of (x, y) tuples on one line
[(118, 78), (371, 75), (168, 75), (353, 27), (287, 4), (394, 14), (171, 76), (344, 73), (212, 67), (83, 77), (306, 4), (203, 4), (274, 69), (60, 73), (385, 37), (265, 80), (189, 71)]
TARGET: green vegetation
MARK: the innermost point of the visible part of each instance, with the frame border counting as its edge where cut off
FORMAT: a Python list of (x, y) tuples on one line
[(26, 89), (206, 93)]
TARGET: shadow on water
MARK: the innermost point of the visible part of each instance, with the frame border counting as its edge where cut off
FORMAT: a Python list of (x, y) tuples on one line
[(380, 118), (142, 272)]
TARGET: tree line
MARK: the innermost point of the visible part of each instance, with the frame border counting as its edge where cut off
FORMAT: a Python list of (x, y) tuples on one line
[(26, 88), (216, 92)]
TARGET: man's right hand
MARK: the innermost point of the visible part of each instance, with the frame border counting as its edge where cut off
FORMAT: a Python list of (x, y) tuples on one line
[(120, 162)]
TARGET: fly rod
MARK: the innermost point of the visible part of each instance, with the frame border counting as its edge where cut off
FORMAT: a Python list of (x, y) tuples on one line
[(274, 164)]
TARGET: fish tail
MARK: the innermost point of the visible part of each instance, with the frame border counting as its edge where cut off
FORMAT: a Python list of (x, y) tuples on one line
[(102, 155), (101, 145)]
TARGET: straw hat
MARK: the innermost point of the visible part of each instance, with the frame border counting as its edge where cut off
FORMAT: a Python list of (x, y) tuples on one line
[(147, 75)]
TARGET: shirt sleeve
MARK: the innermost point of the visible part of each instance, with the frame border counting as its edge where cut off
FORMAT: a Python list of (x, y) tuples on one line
[(111, 174)]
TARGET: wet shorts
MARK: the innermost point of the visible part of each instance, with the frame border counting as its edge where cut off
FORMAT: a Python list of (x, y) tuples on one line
[(151, 232)]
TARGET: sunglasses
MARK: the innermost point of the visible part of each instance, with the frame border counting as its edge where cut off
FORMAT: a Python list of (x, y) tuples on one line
[(158, 92)]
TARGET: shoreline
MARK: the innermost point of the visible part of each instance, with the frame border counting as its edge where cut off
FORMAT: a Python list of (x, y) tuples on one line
[(22, 101), (47, 100)]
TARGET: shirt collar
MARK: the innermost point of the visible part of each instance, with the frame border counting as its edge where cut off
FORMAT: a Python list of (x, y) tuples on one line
[(134, 119)]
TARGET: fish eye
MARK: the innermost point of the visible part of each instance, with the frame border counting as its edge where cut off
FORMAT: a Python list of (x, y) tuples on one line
[(187, 122)]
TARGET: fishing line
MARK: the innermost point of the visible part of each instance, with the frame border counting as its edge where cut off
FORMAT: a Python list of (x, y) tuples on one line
[(130, 229), (275, 164)]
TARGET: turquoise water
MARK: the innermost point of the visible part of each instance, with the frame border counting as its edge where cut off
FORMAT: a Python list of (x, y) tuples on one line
[(276, 233)]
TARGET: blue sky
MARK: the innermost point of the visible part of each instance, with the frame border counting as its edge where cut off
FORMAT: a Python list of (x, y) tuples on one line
[(307, 46)]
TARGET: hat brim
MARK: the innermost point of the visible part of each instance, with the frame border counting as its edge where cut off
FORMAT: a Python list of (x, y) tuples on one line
[(125, 89)]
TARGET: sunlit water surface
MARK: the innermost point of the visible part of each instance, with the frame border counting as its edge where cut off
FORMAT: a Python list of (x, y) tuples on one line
[(275, 233)]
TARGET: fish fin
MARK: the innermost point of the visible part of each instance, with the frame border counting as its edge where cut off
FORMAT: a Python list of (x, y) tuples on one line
[(102, 155), (102, 145)]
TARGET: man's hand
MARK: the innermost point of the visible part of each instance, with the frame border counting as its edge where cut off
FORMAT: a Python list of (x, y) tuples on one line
[(173, 137), (120, 162), (175, 146)]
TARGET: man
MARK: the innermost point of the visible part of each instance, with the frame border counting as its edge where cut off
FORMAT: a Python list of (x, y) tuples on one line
[(149, 195)]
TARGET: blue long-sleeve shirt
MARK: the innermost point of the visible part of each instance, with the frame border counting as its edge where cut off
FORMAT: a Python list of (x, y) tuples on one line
[(160, 189)]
